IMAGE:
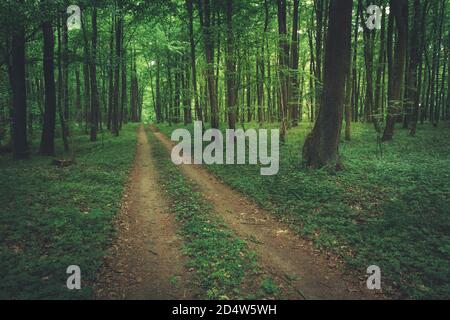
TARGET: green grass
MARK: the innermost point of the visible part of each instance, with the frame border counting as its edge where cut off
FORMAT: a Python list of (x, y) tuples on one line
[(53, 217), (391, 211), (222, 261)]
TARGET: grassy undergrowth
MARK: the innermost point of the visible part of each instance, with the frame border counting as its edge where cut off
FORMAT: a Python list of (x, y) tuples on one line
[(221, 260), (391, 210), (53, 217)]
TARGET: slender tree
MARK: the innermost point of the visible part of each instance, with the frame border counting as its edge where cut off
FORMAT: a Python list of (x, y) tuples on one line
[(205, 22), (231, 69), (294, 92), (283, 67), (94, 119), (48, 131), (399, 9), (19, 92)]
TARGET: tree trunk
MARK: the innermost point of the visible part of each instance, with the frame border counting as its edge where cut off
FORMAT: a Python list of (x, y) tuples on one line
[(231, 69), (368, 58), (78, 95), (118, 55), (294, 92), (93, 73), (48, 133), (111, 75), (205, 21), (399, 9), (198, 108), (60, 103), (417, 46), (123, 95), (348, 108), (448, 80), (283, 67), (65, 74), (19, 93), (379, 92), (158, 107), (321, 146)]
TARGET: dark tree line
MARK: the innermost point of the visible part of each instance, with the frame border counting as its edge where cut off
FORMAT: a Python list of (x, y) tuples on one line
[(234, 62)]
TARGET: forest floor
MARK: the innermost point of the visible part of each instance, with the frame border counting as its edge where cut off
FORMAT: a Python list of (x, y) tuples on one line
[(146, 259), (290, 261), (53, 217)]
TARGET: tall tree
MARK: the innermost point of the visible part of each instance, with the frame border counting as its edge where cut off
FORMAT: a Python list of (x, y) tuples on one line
[(65, 75), (283, 48), (321, 147), (399, 9), (18, 87), (94, 119), (62, 120), (48, 131), (294, 92), (379, 82), (111, 73), (369, 37), (190, 10), (231, 69), (417, 44), (117, 62), (205, 22)]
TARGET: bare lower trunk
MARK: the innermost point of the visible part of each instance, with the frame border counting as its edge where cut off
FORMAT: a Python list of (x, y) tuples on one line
[(322, 145)]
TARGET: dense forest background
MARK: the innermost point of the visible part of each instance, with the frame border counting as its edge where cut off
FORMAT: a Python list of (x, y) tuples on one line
[(359, 91), (215, 61)]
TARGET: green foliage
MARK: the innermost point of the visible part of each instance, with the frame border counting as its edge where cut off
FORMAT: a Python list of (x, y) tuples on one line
[(53, 217), (391, 211), (269, 287), (221, 260)]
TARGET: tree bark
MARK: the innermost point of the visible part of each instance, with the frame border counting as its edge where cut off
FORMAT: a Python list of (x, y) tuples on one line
[(198, 108), (283, 67), (368, 58), (111, 75), (118, 60), (78, 95), (60, 103), (205, 21), (322, 145), (19, 93), (379, 92), (48, 133), (294, 92), (417, 46), (399, 9), (231, 69), (93, 73)]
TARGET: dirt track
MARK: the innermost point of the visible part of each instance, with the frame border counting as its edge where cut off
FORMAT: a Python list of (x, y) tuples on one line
[(290, 260)]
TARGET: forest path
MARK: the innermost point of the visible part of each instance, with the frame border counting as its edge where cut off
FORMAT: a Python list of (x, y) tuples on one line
[(145, 261), (288, 259)]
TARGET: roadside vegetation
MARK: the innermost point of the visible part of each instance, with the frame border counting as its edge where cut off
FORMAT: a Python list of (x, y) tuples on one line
[(52, 217)]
